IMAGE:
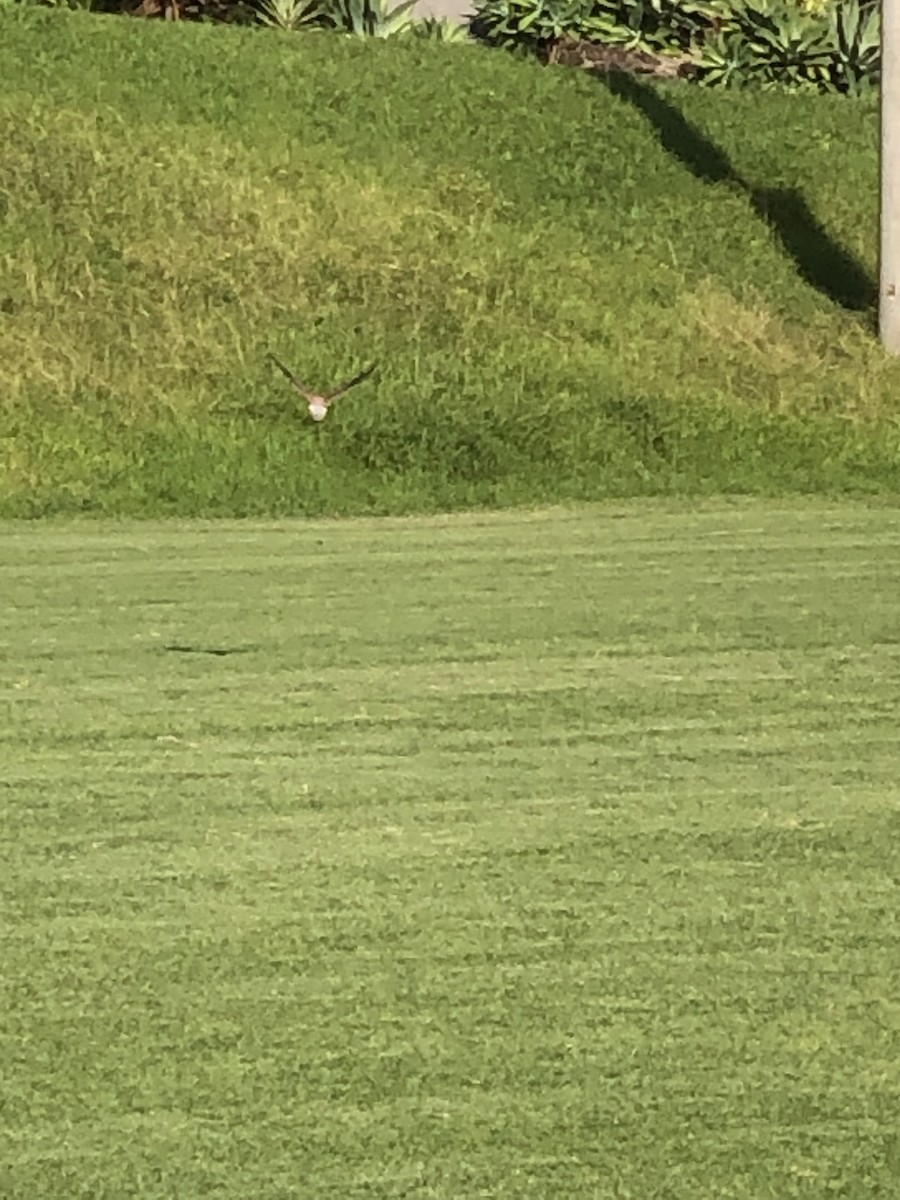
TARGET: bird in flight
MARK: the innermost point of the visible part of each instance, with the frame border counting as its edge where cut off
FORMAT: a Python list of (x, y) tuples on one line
[(319, 405)]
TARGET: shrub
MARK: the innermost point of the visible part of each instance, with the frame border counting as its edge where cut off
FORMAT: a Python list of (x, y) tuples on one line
[(774, 43), (361, 18), (821, 45), (654, 25)]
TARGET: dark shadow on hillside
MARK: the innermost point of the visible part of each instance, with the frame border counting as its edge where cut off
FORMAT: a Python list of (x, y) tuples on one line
[(824, 264)]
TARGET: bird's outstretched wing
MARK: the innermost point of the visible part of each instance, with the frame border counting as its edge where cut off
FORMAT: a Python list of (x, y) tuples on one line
[(298, 383), (345, 387)]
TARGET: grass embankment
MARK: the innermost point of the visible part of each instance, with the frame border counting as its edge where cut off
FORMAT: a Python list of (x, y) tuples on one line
[(540, 855), (573, 290)]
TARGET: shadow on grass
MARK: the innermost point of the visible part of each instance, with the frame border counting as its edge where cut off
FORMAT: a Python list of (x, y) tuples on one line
[(217, 651), (824, 264)]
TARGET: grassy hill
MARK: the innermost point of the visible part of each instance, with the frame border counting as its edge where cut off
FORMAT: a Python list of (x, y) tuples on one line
[(574, 289)]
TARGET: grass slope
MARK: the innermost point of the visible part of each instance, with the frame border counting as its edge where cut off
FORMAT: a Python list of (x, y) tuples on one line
[(574, 289), (512, 856)]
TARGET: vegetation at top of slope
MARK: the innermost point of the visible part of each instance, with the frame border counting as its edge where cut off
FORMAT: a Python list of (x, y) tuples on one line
[(818, 45), (823, 46), (572, 288)]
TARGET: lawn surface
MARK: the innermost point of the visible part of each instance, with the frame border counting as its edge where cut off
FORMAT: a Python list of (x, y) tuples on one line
[(537, 855)]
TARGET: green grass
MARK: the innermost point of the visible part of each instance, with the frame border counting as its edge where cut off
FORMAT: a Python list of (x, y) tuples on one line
[(537, 855), (574, 291)]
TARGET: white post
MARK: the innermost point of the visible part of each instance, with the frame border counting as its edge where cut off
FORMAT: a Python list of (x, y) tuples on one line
[(889, 288)]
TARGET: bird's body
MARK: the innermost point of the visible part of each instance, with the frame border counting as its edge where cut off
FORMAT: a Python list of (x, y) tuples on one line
[(317, 404)]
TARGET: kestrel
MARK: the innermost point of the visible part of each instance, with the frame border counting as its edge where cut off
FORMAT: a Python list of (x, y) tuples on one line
[(319, 405)]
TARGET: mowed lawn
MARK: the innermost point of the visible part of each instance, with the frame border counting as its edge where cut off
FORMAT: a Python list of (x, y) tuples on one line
[(546, 854)]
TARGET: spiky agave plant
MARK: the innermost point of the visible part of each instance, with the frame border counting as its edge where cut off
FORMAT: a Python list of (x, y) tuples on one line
[(288, 14), (373, 18), (441, 29), (778, 43), (854, 33)]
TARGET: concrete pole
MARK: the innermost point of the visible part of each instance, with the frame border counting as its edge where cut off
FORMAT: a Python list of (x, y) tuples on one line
[(889, 290)]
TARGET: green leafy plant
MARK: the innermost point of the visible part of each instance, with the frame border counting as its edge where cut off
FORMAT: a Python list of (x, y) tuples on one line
[(439, 29), (360, 18), (823, 45), (532, 23), (772, 42), (725, 61), (373, 18), (288, 14), (660, 25), (855, 35), (775, 43), (653, 25)]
